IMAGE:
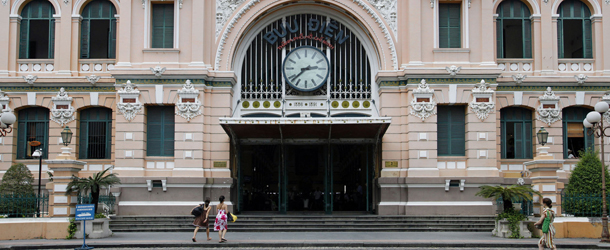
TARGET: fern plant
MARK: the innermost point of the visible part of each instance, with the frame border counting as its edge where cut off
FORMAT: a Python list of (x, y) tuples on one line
[(93, 184), (507, 194)]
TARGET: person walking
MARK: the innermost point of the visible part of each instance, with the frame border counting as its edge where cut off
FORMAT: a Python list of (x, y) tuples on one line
[(202, 220), (546, 240), (220, 224)]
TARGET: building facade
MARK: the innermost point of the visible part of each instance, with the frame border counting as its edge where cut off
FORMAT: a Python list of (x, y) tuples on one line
[(378, 106)]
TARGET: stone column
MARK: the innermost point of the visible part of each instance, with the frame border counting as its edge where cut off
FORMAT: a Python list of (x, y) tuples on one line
[(64, 167), (545, 180)]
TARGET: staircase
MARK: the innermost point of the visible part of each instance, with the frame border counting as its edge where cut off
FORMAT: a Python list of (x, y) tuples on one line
[(311, 223)]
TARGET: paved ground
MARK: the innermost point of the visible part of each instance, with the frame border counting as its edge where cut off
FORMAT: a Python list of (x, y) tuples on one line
[(309, 240)]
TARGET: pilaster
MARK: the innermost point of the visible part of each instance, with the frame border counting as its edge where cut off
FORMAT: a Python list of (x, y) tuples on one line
[(60, 204), (545, 180)]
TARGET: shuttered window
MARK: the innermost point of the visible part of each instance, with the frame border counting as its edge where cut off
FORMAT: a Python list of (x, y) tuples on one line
[(32, 125), (95, 138), (449, 25), (160, 131), (163, 25), (451, 129), (575, 136), (37, 30), (574, 37), (516, 133), (98, 30), (513, 30)]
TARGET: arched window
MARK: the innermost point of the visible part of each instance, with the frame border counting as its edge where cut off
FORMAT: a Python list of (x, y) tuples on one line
[(575, 137), (514, 30), (95, 138), (33, 125), (574, 38), (37, 34), (98, 30), (516, 132)]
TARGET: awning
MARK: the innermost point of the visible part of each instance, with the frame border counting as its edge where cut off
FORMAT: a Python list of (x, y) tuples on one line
[(306, 130)]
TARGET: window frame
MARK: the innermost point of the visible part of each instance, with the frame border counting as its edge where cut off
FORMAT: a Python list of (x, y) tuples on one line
[(23, 122), (24, 30), (163, 125), (449, 27), (525, 20), (586, 22), (571, 115), (452, 113), (148, 33), (85, 135), (526, 154), (112, 36)]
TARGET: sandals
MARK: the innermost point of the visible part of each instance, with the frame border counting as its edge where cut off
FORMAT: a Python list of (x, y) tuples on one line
[(194, 240), (223, 240)]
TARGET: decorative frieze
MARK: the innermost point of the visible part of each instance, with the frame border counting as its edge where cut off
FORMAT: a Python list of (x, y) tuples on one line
[(188, 105), (224, 9), (62, 112), (518, 78), (482, 100), (158, 71), (548, 111), (387, 9), (422, 104), (581, 78), (93, 79), (30, 79), (129, 104)]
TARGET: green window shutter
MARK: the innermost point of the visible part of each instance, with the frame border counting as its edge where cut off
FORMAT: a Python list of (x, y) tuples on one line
[(160, 131), (527, 140), (503, 139), (518, 132), (52, 38), (33, 125), (443, 25), (95, 133), (83, 136), (588, 41), (112, 43), (85, 35), (500, 38), (21, 137), (163, 26), (24, 39), (451, 131), (560, 49), (455, 28), (527, 38)]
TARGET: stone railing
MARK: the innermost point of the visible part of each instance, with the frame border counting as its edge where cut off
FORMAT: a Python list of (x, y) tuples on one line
[(86, 66), (516, 65), (575, 65), (36, 65)]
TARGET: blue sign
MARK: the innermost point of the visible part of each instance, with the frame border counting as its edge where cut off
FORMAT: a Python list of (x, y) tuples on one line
[(85, 212)]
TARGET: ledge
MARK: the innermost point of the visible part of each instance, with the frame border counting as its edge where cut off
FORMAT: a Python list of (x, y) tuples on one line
[(161, 51), (451, 50)]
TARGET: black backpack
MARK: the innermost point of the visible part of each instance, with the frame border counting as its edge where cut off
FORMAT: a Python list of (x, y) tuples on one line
[(197, 211)]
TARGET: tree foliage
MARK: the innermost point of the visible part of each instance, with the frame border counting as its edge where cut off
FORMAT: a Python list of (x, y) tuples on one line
[(17, 180), (586, 178), (507, 194), (92, 184)]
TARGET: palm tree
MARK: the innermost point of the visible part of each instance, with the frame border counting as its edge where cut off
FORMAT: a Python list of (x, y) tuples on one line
[(507, 194), (93, 184)]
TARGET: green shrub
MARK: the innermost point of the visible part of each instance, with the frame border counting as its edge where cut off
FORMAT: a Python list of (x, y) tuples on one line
[(514, 218), (586, 182), (17, 193)]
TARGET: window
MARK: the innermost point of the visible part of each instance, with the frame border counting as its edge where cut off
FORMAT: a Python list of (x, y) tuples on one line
[(33, 125), (98, 30), (451, 127), (37, 31), (449, 25), (575, 137), (95, 137), (160, 131), (516, 133), (574, 36), (514, 30), (163, 25)]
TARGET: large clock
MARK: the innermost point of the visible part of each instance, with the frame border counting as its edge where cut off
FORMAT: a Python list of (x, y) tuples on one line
[(306, 68)]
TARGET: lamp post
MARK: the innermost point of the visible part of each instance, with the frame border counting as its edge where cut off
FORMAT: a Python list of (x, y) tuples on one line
[(38, 154), (543, 136), (595, 123), (7, 118)]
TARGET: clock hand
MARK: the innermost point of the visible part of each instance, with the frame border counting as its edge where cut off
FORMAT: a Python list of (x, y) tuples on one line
[(299, 74), (314, 67)]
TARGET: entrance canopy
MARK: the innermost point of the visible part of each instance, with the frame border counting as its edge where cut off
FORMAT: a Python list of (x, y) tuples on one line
[(305, 130)]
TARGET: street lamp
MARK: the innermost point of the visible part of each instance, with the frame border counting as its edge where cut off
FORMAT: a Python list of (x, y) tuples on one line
[(542, 135), (595, 123), (66, 136), (38, 154), (7, 118)]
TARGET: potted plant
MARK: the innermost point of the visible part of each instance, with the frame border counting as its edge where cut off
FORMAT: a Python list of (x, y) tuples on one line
[(510, 223), (100, 226)]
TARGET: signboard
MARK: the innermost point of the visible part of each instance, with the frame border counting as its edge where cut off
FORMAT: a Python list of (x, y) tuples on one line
[(220, 164), (324, 32), (84, 212), (391, 164)]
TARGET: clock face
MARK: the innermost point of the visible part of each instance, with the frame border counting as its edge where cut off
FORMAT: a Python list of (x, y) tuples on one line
[(306, 68)]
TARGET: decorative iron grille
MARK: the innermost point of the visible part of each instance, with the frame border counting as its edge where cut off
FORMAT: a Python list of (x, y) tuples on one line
[(261, 74)]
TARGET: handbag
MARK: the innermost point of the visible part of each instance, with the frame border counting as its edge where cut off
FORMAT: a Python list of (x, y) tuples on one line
[(547, 223), (539, 226), (197, 211), (229, 217)]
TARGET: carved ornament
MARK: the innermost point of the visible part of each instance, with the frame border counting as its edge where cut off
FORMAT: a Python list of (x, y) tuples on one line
[(62, 112), (482, 102), (188, 109), (387, 9), (131, 108), (426, 107), (30, 79), (548, 111)]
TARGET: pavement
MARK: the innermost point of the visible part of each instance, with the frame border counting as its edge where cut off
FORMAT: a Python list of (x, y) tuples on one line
[(305, 240)]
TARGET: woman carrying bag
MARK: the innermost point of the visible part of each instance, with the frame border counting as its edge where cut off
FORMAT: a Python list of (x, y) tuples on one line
[(220, 224), (202, 220), (546, 224)]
